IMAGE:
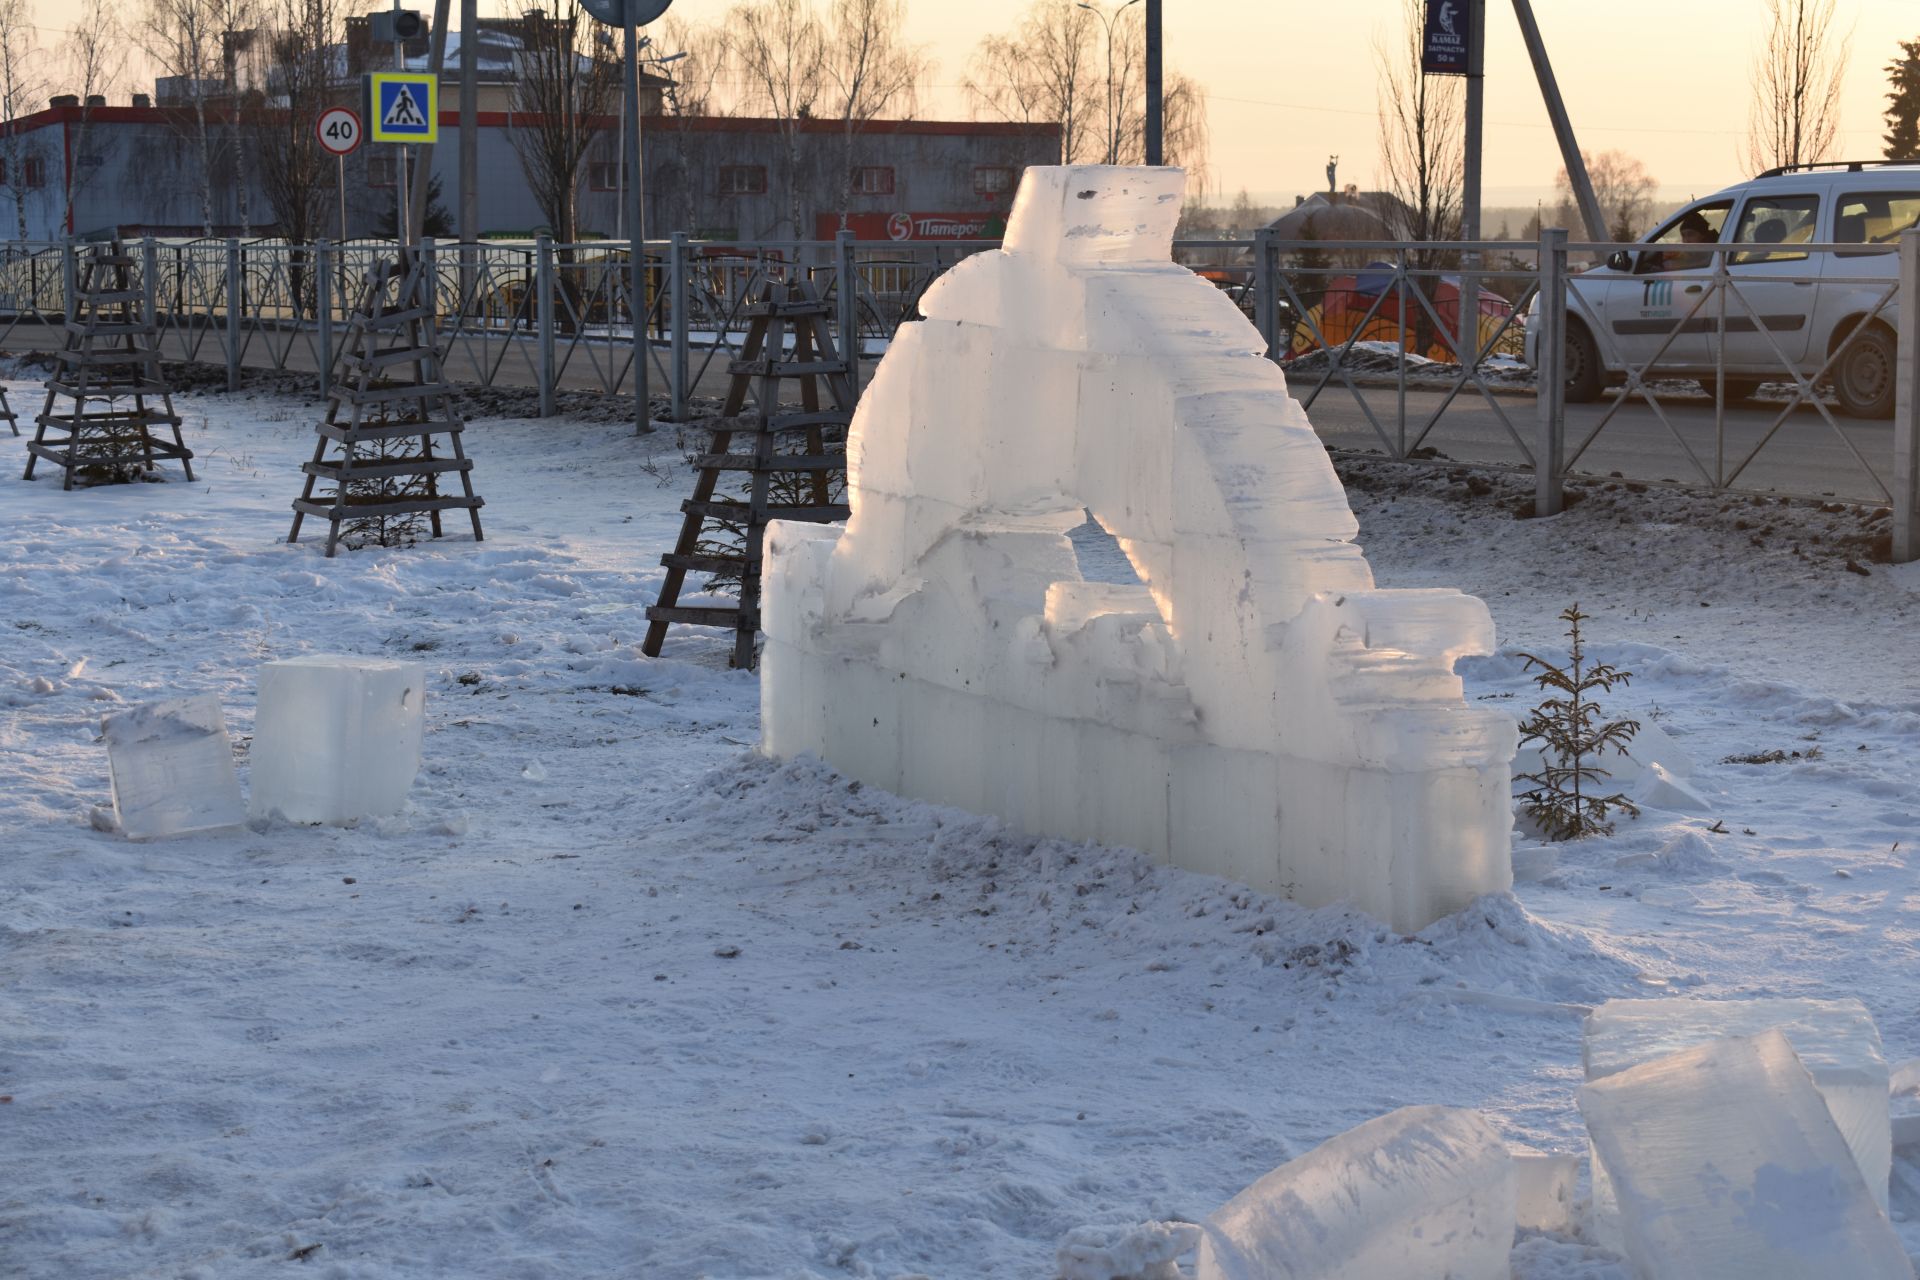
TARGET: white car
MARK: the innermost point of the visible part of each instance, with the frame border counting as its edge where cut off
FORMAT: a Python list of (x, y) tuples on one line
[(1626, 312)]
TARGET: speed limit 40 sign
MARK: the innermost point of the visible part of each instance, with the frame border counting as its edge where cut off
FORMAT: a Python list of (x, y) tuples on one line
[(339, 130)]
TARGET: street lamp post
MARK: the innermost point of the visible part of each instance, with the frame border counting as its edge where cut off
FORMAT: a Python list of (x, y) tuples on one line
[(1113, 125)]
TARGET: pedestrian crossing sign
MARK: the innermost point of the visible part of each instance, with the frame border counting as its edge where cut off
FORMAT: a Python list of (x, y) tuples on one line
[(403, 106)]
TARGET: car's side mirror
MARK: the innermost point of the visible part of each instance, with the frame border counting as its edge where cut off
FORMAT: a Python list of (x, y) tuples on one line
[(1620, 260)]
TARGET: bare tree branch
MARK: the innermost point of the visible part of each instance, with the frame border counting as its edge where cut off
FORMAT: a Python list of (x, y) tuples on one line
[(781, 49), (95, 54), (563, 96), (21, 86), (1422, 127), (1795, 117), (1622, 187)]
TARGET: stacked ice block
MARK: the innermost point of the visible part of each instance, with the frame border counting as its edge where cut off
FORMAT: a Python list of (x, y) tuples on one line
[(336, 738), (171, 764), (1256, 710)]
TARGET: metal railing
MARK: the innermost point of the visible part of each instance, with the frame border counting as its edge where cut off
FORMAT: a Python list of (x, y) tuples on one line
[(1411, 351)]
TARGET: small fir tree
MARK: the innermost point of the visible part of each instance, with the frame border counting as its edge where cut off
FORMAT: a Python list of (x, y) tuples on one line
[(1574, 737)]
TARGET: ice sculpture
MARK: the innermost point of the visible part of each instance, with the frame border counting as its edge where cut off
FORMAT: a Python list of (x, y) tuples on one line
[(1256, 710), (1729, 1166), (336, 738), (171, 764), (1836, 1041), (1422, 1193)]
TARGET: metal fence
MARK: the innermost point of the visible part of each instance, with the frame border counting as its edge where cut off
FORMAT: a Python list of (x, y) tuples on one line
[(1406, 350)]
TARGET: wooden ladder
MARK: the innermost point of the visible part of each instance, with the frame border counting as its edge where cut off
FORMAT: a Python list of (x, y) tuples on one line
[(369, 409), (109, 357), (764, 364)]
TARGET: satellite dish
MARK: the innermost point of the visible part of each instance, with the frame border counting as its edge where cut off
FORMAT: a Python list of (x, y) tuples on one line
[(614, 12)]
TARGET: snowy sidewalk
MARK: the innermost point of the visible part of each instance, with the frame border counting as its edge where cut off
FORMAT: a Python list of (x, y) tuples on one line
[(615, 997)]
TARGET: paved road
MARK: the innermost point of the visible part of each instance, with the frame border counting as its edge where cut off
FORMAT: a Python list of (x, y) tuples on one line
[(1804, 456)]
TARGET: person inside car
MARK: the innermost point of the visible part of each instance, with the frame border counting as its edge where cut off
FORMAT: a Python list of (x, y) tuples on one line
[(1694, 229)]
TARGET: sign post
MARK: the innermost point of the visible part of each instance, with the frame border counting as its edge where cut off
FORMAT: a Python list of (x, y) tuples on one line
[(338, 129), (403, 108), (630, 16)]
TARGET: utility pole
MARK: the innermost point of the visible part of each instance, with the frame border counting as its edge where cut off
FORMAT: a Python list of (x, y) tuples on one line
[(414, 212), (1155, 99), (1468, 347), (1562, 128), (469, 140), (636, 226)]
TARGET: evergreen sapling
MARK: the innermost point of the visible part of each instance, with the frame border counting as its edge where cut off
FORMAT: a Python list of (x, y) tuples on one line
[(1564, 799)]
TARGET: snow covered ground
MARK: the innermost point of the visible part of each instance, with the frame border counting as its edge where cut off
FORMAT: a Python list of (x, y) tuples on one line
[(616, 997)]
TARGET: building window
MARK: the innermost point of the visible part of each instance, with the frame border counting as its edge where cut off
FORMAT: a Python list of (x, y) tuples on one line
[(36, 171), (992, 179), (873, 180), (604, 175), (743, 179), (380, 171)]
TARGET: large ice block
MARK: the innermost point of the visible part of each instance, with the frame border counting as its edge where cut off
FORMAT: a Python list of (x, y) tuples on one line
[(1422, 1193), (171, 764), (1835, 1039), (1728, 1166), (932, 643), (336, 738)]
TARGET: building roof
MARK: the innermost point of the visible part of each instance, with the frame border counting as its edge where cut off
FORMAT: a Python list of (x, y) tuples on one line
[(1355, 215)]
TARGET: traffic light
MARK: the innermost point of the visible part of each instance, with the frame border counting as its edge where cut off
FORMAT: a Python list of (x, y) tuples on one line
[(394, 26)]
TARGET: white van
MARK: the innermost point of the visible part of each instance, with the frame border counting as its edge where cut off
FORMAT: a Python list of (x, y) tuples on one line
[(1626, 310)]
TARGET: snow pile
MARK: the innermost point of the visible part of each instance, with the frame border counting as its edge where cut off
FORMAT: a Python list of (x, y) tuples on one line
[(1126, 1251), (1253, 708), (172, 768)]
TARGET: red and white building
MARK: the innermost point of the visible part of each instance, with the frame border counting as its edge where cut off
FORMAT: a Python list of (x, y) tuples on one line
[(135, 169)]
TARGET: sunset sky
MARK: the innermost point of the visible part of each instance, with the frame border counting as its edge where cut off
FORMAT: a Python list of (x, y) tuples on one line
[(1291, 82)]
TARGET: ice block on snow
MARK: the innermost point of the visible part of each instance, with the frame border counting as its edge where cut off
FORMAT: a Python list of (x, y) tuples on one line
[(1728, 1166), (1422, 1193), (172, 768), (336, 738), (1543, 1185), (1835, 1040)]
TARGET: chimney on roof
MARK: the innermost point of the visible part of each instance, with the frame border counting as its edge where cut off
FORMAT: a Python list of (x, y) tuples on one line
[(142, 100), (96, 99), (64, 100)]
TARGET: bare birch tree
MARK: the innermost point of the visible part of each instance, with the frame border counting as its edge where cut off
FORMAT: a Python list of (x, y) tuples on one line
[(1796, 86), (1044, 73), (1055, 68), (292, 79), (780, 48), (693, 92), (1621, 186), (21, 86), (564, 93), (94, 55), (1422, 133), (872, 72), (189, 40)]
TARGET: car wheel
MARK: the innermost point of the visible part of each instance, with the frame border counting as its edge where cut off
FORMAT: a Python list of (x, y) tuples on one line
[(1585, 378), (1864, 380)]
